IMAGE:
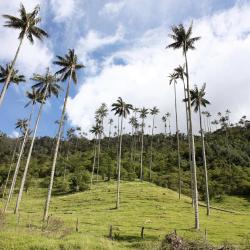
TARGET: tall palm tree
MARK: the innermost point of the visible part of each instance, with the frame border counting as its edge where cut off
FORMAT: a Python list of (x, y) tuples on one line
[(181, 74), (15, 77), (27, 24), (46, 86), (100, 114), (69, 66), (183, 40), (198, 101), (122, 109), (133, 122), (96, 130), (164, 119), (173, 79), (168, 115), (33, 99), (154, 111), (21, 124), (111, 121), (143, 114)]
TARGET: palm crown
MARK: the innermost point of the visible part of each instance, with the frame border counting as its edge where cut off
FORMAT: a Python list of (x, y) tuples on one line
[(15, 77), (154, 111), (197, 97), (46, 83), (182, 38), (143, 113), (34, 97), (27, 23), (97, 129), (22, 124), (121, 108), (180, 72), (69, 64)]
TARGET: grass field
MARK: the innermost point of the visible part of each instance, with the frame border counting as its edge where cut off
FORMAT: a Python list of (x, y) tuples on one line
[(142, 204)]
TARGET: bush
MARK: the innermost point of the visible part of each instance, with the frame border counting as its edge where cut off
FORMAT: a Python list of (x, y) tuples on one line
[(80, 181)]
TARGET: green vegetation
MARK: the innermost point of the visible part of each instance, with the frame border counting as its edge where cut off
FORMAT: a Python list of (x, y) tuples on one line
[(142, 204)]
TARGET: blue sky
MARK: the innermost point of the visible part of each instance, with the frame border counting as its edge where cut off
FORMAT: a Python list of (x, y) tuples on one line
[(122, 44)]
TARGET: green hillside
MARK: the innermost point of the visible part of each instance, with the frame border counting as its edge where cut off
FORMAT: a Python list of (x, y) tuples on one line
[(142, 204)]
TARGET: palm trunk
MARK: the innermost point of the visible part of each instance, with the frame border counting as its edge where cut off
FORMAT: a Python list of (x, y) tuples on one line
[(196, 205), (47, 203), (188, 137), (142, 134), (7, 82), (98, 157), (117, 147), (10, 168), (151, 150), (119, 168), (93, 167), (178, 142), (204, 163), (18, 162), (19, 198)]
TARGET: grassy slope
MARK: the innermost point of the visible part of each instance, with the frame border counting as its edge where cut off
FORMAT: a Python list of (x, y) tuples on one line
[(141, 204)]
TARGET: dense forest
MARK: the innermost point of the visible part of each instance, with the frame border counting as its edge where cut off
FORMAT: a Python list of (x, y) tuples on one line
[(227, 149)]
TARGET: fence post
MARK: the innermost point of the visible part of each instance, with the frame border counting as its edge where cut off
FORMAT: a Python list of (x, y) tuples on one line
[(111, 232), (142, 232), (77, 225)]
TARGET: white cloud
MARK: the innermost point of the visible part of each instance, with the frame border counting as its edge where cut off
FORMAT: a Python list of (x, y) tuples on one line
[(63, 9), (93, 41), (14, 134), (221, 60), (112, 8)]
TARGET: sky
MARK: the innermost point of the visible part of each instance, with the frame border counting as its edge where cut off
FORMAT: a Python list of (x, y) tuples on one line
[(122, 43)]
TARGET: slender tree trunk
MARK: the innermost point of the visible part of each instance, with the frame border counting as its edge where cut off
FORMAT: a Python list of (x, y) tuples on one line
[(117, 147), (19, 161), (204, 163), (119, 168), (98, 157), (189, 147), (151, 150), (10, 168), (142, 135), (178, 142), (30, 152), (196, 204), (93, 167), (7, 82), (47, 203)]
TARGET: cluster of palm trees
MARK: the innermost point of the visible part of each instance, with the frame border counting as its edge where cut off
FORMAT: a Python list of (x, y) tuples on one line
[(46, 86)]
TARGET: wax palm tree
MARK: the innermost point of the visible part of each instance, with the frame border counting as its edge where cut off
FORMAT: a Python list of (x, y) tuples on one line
[(164, 119), (20, 124), (133, 122), (122, 109), (173, 79), (198, 101), (33, 97), (46, 86), (111, 121), (14, 78), (154, 111), (69, 66), (143, 114), (96, 130), (183, 40), (168, 115), (100, 114), (27, 24)]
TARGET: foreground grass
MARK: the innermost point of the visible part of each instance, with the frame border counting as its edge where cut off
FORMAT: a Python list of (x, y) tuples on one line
[(142, 204)]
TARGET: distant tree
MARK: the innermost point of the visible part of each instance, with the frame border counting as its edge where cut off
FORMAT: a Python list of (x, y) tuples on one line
[(122, 109), (154, 111), (27, 24), (143, 114)]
